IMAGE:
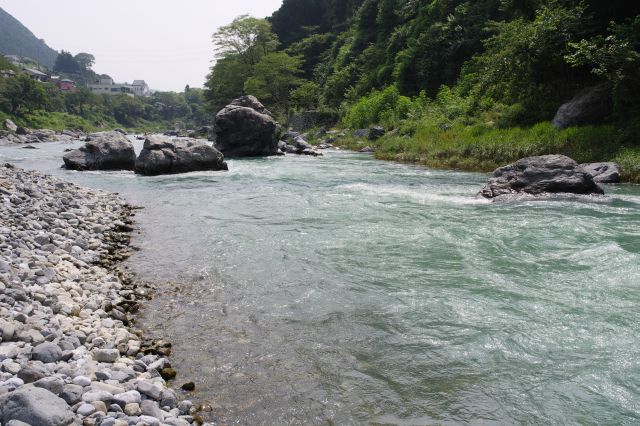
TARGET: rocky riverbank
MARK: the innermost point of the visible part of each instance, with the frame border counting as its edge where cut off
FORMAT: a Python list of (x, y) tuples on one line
[(68, 352), (8, 138)]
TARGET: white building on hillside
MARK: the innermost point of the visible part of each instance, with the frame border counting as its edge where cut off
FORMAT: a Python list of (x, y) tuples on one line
[(106, 86), (140, 88)]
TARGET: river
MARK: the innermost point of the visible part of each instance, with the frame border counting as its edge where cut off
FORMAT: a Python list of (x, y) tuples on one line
[(345, 290)]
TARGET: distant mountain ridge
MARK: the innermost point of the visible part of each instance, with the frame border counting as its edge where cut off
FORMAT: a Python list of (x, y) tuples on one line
[(16, 39)]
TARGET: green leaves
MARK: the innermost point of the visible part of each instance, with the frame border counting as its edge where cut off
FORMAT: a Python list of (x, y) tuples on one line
[(246, 37)]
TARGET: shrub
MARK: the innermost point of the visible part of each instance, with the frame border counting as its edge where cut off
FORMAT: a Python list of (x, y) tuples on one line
[(386, 107)]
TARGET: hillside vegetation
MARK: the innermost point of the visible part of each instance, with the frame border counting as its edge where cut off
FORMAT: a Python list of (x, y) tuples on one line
[(16, 39), (468, 84)]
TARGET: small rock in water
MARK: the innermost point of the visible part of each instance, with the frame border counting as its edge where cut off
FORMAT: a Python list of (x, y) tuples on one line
[(189, 386)]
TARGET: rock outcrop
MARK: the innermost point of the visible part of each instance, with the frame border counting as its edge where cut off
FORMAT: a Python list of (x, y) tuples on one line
[(539, 175), (10, 125), (591, 106), (603, 172), (376, 132), (103, 151), (162, 155), (245, 128)]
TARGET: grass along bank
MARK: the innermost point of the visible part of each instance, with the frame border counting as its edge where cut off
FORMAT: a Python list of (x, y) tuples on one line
[(484, 148)]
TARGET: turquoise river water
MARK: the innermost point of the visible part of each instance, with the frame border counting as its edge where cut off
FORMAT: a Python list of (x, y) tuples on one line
[(344, 290)]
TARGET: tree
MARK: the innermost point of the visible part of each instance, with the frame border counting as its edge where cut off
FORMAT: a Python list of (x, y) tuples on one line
[(524, 61), (76, 101), (307, 96), (85, 60), (225, 82), (24, 95), (247, 37), (273, 78), (66, 63), (614, 58)]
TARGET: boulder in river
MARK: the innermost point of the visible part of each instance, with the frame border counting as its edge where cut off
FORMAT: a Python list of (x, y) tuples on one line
[(245, 128), (539, 175), (162, 155), (591, 106), (103, 151), (603, 172)]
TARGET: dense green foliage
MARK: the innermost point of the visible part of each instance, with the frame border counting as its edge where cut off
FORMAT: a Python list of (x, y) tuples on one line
[(464, 83), (248, 63), (519, 58), (16, 39), (42, 105)]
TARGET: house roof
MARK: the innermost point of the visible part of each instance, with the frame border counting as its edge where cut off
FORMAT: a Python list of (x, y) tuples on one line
[(34, 72)]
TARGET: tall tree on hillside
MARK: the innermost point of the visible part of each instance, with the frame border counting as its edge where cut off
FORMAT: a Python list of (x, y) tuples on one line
[(247, 37), (85, 60), (273, 79), (239, 47), (66, 63)]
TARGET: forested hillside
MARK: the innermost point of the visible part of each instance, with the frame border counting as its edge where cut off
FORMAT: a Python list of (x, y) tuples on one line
[(446, 72), (16, 39)]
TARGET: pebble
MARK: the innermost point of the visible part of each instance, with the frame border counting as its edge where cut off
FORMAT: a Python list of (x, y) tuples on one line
[(64, 330)]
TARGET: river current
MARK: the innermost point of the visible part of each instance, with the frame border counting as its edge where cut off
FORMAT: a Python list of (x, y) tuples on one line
[(345, 290)]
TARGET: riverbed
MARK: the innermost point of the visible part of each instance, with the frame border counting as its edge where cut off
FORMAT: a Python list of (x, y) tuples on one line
[(345, 290)]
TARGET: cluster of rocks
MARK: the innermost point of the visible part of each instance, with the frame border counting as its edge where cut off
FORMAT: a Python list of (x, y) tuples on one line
[(13, 134), (373, 133), (67, 352), (550, 174), (295, 143), (160, 155)]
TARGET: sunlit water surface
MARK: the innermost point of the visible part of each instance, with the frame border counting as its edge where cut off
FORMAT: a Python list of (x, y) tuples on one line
[(344, 290)]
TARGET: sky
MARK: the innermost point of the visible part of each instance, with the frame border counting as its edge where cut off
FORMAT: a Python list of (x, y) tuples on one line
[(166, 43)]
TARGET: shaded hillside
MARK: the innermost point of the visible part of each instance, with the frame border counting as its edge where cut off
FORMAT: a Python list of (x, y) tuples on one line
[(16, 39)]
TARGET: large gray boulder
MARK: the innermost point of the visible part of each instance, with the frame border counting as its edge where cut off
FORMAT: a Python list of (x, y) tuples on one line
[(245, 128), (539, 175), (104, 151), (603, 172), (162, 155), (591, 106), (35, 406), (47, 352)]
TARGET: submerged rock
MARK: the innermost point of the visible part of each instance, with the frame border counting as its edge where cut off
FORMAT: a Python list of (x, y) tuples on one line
[(603, 172), (104, 151), (245, 128), (162, 155), (539, 175)]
